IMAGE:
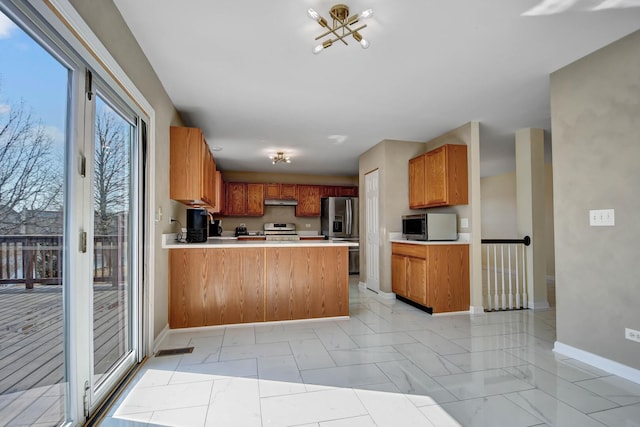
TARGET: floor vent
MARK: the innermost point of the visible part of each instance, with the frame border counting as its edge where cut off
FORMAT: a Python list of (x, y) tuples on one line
[(174, 351)]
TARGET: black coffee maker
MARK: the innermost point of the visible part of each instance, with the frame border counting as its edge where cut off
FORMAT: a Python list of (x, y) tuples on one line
[(197, 220), (215, 228)]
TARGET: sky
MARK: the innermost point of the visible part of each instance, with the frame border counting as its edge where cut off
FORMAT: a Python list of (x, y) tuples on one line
[(29, 74)]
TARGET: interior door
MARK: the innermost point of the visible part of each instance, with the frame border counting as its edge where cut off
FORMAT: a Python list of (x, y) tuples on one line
[(372, 230)]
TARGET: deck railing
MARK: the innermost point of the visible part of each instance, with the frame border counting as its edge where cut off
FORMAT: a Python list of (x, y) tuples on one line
[(33, 259), (504, 262)]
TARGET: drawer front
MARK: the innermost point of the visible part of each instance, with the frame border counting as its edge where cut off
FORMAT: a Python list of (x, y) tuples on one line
[(407, 249)]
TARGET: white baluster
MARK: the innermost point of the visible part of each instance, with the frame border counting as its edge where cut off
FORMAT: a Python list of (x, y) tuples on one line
[(525, 290), (488, 278), (504, 294), (518, 304), (510, 287), (495, 273)]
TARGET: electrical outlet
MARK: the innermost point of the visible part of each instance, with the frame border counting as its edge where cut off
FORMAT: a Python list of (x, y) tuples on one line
[(464, 222), (632, 334), (308, 225)]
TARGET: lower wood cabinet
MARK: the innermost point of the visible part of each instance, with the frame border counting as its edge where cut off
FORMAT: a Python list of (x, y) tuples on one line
[(240, 285), (434, 276), (215, 286)]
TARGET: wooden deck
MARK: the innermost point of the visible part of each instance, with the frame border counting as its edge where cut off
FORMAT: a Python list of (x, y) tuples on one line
[(31, 348)]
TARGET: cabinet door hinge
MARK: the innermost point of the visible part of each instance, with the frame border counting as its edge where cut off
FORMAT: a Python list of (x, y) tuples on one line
[(88, 84), (83, 242)]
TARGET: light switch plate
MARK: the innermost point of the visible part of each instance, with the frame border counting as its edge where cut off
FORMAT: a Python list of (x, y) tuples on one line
[(602, 218)]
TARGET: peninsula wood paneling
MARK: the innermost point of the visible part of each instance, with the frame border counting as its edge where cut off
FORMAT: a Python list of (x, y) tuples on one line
[(307, 282), (240, 285), (215, 286)]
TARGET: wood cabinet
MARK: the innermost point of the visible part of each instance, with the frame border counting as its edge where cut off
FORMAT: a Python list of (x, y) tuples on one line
[(306, 282), (191, 168), (347, 191), (339, 191), (280, 191), (240, 285), (220, 194), (255, 199), (439, 178), (215, 286), (244, 199), (308, 200), (434, 276), (236, 195)]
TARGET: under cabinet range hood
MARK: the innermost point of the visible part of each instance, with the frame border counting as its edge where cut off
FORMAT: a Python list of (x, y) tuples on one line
[(276, 202)]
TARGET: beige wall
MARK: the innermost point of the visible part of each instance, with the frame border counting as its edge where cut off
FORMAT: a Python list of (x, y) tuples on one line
[(595, 106), (499, 213), (390, 158), (107, 24)]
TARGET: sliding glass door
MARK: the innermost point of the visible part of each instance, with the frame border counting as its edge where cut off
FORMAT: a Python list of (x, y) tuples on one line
[(70, 224)]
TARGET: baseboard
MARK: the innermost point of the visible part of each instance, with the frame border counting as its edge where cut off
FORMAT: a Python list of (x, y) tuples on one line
[(387, 296), (476, 309), (599, 362), (161, 336), (539, 305)]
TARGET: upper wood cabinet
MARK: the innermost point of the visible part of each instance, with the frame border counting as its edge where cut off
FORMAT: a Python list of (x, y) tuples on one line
[(308, 200), (244, 199), (191, 168), (255, 199), (220, 194), (236, 195), (417, 193), (280, 191), (439, 178)]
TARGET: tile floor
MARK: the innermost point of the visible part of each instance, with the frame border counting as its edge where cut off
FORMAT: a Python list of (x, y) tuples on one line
[(389, 364)]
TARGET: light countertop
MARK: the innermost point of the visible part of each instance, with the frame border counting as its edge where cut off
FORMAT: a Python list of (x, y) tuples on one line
[(169, 242), (463, 239)]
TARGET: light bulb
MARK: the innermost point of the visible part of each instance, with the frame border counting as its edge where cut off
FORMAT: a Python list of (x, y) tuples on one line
[(312, 14), (318, 49), (366, 14), (364, 43)]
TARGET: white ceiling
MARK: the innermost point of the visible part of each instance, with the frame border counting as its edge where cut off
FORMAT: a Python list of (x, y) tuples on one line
[(243, 71)]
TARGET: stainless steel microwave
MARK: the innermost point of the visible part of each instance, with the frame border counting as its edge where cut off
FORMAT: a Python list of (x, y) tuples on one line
[(430, 226)]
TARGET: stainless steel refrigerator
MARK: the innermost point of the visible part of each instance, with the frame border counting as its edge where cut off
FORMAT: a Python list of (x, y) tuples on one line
[(339, 221)]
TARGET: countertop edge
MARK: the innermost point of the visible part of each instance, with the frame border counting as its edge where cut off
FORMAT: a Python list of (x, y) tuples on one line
[(440, 242), (168, 242)]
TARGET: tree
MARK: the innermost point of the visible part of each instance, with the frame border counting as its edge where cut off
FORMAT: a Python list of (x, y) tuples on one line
[(30, 175), (111, 173)]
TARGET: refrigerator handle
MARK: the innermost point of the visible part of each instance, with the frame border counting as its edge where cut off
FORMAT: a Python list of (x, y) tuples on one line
[(349, 214)]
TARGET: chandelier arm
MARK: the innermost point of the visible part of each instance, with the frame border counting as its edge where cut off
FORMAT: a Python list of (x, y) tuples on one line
[(350, 31), (332, 30)]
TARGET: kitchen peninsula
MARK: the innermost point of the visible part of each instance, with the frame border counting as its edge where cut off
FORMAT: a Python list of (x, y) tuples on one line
[(221, 282)]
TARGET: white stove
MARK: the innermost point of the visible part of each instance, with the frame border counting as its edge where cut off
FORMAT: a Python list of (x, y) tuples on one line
[(280, 231)]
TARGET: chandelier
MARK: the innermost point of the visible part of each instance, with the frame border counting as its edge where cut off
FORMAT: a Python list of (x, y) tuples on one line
[(343, 26), (280, 157)]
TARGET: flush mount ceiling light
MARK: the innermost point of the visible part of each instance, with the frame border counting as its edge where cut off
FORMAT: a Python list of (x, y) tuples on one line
[(343, 26), (280, 157)]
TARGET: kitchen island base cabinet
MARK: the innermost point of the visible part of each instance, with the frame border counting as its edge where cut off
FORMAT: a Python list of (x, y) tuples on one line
[(245, 285), (433, 276), (215, 286), (307, 283)]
